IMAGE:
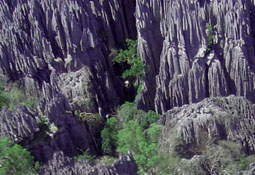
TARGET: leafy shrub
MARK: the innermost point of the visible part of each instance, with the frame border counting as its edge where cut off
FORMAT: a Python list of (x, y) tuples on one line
[(43, 121), (92, 119), (149, 118), (31, 103), (85, 155), (209, 28), (129, 56), (139, 91), (129, 137), (37, 166), (168, 165), (14, 159), (87, 104), (53, 128), (143, 145), (15, 97), (46, 131), (139, 134), (109, 136), (128, 111), (225, 156), (243, 164)]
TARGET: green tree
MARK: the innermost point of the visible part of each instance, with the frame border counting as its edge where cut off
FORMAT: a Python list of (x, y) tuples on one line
[(142, 144), (129, 137), (128, 111), (109, 136), (149, 118), (130, 57), (14, 159)]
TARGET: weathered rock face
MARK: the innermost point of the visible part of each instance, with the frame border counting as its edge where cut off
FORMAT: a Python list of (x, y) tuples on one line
[(18, 125), (211, 137), (198, 125), (206, 165), (59, 52), (57, 130), (150, 41), (41, 40), (63, 165), (63, 132), (189, 69)]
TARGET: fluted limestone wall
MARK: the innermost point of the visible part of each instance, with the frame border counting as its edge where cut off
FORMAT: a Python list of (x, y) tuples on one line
[(187, 72), (58, 51), (43, 41), (211, 120)]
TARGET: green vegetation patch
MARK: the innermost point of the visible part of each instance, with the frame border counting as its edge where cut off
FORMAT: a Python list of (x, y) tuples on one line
[(210, 37), (15, 97), (133, 131), (142, 144), (14, 159), (109, 136), (130, 57), (85, 155)]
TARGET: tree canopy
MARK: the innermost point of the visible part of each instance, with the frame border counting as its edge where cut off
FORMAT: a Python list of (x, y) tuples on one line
[(14, 159)]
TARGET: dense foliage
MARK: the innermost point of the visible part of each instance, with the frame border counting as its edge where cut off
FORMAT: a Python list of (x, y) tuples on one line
[(142, 144), (128, 111), (130, 57), (14, 159), (109, 136), (133, 131)]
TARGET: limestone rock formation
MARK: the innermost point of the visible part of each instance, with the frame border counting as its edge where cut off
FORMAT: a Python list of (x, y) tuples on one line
[(66, 166), (18, 125), (230, 118), (58, 51), (211, 135), (41, 40), (150, 42), (189, 67), (196, 54)]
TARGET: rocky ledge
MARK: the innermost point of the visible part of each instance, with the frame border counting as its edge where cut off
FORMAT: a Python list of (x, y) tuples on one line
[(63, 165), (207, 131)]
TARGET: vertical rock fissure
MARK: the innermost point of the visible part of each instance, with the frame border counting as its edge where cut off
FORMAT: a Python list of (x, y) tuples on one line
[(207, 93)]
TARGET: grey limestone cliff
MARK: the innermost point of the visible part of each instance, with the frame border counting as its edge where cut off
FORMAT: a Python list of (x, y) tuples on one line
[(211, 134), (230, 118), (58, 52), (18, 125), (43, 41), (188, 68), (196, 53), (63, 165)]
